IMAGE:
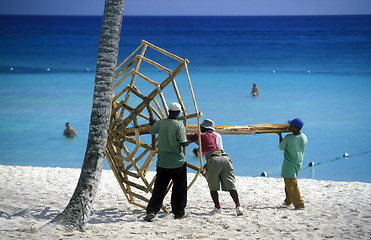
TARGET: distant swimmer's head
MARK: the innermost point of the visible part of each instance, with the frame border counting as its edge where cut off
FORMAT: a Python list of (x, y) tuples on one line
[(208, 124)]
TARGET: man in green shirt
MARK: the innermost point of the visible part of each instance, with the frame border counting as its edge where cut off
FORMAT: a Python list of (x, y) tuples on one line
[(293, 146), (171, 165)]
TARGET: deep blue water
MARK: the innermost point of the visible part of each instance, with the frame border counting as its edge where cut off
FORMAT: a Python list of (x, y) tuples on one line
[(227, 55)]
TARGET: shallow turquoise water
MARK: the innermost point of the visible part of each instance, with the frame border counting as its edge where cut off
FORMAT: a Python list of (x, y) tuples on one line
[(226, 59)]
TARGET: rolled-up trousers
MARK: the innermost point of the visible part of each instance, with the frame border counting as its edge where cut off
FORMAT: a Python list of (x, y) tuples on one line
[(293, 193)]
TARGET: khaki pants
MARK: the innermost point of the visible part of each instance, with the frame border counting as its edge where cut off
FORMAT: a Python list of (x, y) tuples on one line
[(293, 193)]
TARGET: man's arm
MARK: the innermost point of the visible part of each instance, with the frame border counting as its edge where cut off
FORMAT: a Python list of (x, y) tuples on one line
[(184, 144), (154, 128), (283, 142), (182, 137), (192, 137), (280, 137)]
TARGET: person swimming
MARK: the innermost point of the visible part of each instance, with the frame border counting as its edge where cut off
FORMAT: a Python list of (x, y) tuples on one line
[(254, 91), (69, 132)]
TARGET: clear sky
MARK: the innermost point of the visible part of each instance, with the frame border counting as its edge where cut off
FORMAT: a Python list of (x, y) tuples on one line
[(189, 7)]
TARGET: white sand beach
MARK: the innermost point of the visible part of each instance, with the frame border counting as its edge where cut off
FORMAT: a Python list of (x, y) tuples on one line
[(30, 197)]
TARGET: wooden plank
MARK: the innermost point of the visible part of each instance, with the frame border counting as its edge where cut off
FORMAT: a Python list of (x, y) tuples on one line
[(227, 130), (247, 129)]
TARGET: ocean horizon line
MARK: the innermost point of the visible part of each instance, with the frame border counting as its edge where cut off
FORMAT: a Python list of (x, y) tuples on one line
[(216, 16)]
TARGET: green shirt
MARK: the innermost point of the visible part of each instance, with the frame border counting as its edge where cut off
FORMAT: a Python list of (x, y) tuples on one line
[(293, 147), (170, 134)]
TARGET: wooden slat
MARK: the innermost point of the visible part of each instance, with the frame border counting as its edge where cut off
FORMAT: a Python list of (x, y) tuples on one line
[(131, 174), (137, 186), (127, 66), (169, 54), (155, 64), (128, 57), (194, 167), (146, 78), (123, 79), (142, 144)]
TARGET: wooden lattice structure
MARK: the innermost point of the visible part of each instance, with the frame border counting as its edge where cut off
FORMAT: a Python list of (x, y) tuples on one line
[(140, 96)]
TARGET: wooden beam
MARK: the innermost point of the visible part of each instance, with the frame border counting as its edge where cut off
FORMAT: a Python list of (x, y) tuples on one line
[(227, 130), (246, 129)]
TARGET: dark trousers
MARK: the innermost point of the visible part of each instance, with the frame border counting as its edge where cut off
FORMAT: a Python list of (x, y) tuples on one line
[(179, 190)]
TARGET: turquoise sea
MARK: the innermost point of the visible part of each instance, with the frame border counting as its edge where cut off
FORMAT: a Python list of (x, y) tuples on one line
[(317, 68)]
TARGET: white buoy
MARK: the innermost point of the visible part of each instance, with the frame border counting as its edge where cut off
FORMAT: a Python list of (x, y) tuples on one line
[(48, 69), (308, 72), (345, 155), (87, 69), (274, 71), (11, 69), (264, 174)]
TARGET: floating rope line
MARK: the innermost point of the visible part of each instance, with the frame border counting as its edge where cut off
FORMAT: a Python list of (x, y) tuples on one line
[(345, 155), (312, 164)]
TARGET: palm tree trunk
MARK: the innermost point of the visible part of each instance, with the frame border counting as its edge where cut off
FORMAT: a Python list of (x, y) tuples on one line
[(78, 211)]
